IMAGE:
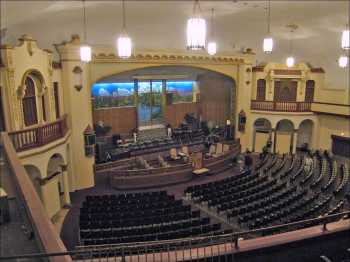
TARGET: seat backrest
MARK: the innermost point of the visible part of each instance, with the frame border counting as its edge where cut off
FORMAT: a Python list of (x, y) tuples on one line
[(212, 150), (226, 148), (219, 148), (185, 150), (173, 153)]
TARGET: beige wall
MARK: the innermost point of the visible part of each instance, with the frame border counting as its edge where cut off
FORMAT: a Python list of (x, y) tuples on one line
[(331, 125), (283, 142), (260, 141)]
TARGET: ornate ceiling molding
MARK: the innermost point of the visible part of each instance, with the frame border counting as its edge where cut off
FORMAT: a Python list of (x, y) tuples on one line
[(170, 58)]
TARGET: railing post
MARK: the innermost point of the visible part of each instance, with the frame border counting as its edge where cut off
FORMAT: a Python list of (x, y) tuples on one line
[(39, 136), (236, 243)]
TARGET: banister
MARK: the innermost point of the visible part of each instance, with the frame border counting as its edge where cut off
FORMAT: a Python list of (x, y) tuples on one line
[(39, 135), (44, 230), (280, 106)]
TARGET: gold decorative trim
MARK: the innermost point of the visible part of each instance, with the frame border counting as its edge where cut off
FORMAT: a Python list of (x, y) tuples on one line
[(103, 57)]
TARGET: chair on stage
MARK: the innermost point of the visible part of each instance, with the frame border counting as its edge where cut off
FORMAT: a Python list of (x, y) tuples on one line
[(226, 148), (219, 150)]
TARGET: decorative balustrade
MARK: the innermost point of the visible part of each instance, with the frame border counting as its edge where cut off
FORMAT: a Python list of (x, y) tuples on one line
[(39, 135), (280, 106)]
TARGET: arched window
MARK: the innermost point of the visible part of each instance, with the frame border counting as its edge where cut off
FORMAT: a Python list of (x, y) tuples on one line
[(309, 91), (261, 90), (29, 103)]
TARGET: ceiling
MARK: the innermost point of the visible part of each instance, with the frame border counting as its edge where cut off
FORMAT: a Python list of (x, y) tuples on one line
[(155, 25)]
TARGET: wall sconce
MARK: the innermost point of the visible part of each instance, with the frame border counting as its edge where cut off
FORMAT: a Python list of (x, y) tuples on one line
[(89, 141), (78, 78)]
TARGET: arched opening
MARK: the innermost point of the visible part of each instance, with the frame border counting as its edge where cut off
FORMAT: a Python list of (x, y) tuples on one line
[(261, 134), (305, 131), (30, 114), (34, 175), (284, 136), (57, 182), (261, 90), (309, 91), (152, 96), (35, 100)]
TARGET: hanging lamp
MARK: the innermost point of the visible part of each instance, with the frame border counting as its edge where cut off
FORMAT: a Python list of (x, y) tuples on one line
[(211, 48), (290, 61), (196, 29), (268, 40), (345, 39), (124, 44), (85, 49)]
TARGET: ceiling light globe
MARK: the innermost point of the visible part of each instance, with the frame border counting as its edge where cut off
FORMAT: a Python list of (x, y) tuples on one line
[(290, 61), (343, 61)]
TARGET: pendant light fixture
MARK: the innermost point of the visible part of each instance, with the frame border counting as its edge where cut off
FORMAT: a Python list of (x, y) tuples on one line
[(124, 44), (268, 40), (212, 44), (290, 59), (343, 61), (345, 39), (196, 29), (85, 49)]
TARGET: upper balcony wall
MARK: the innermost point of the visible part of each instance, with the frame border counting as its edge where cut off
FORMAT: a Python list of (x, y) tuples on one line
[(18, 62), (301, 73)]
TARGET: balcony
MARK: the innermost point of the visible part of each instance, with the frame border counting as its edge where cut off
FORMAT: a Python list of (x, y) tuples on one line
[(280, 106), (39, 135)]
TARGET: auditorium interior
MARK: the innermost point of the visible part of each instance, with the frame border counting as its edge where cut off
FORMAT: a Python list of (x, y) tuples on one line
[(175, 131)]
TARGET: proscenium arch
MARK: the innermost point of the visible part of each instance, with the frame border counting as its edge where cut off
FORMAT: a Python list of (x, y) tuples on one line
[(264, 137), (135, 68)]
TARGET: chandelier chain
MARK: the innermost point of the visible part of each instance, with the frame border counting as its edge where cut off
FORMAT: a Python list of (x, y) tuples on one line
[(268, 16), (124, 15), (84, 22)]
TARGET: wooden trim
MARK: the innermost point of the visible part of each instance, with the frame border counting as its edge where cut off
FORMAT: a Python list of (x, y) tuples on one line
[(258, 69), (44, 230), (343, 138), (331, 104), (286, 72)]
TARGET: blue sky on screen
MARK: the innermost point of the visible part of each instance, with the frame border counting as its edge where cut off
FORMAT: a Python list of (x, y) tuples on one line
[(127, 89)]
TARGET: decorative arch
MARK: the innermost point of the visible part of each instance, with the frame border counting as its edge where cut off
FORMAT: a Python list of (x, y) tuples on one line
[(34, 97), (284, 137), (55, 168), (305, 134), (262, 131), (35, 176)]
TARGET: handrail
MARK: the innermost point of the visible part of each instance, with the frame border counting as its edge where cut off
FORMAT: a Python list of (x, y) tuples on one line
[(39, 135), (281, 106), (218, 239), (43, 228)]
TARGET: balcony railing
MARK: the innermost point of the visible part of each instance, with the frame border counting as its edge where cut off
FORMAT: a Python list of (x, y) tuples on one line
[(39, 135), (280, 106)]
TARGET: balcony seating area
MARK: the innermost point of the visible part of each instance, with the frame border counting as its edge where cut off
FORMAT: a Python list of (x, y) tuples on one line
[(280, 189), (138, 217)]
